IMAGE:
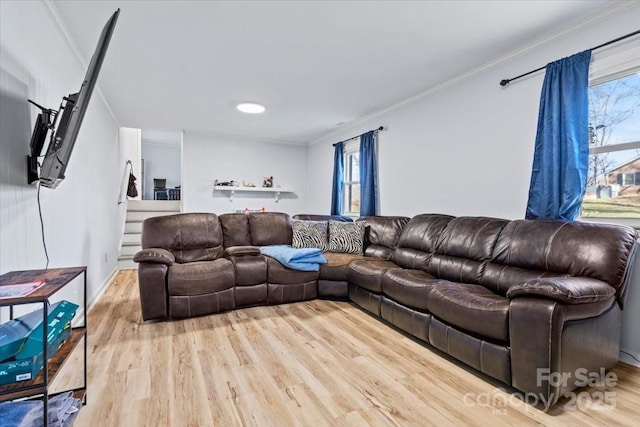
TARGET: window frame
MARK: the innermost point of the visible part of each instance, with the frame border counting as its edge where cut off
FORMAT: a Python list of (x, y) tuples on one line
[(613, 64), (624, 178), (350, 148)]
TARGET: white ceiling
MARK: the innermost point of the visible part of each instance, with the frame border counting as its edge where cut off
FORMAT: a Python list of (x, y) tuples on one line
[(176, 65)]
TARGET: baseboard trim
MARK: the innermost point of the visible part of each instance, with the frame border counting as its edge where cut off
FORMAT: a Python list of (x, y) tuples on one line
[(629, 357), (91, 301)]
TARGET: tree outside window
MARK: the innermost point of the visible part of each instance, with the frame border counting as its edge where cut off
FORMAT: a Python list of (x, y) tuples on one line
[(614, 149)]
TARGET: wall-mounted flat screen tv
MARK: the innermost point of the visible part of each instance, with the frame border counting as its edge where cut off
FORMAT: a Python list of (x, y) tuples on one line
[(71, 113)]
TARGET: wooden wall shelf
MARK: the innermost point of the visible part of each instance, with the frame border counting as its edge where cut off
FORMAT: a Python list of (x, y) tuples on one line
[(232, 190)]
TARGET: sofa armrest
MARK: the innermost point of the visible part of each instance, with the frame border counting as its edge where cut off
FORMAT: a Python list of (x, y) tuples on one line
[(250, 267), (568, 290), (237, 251), (157, 255), (152, 281)]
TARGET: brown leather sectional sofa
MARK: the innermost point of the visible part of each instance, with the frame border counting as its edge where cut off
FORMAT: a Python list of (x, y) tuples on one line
[(521, 301)]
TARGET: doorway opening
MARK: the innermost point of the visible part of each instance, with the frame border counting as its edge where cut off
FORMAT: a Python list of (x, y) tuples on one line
[(161, 176)]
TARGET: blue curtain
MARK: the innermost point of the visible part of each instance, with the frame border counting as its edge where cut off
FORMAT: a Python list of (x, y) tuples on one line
[(561, 157), (368, 175), (338, 179)]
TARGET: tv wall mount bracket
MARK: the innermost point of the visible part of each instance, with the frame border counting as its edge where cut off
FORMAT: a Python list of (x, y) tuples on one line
[(46, 121)]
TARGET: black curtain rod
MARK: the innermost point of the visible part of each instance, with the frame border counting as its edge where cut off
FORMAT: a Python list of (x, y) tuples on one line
[(505, 82), (358, 136)]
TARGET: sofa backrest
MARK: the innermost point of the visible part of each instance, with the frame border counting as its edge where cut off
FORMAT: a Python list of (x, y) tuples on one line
[(464, 248), (235, 229), (382, 234), (311, 217), (599, 251), (190, 237), (418, 240), (270, 228)]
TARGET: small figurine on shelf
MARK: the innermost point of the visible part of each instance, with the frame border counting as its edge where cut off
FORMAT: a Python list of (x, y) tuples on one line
[(248, 184), (268, 182)]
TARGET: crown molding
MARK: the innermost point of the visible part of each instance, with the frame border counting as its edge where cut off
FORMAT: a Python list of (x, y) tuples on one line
[(603, 15), (51, 8)]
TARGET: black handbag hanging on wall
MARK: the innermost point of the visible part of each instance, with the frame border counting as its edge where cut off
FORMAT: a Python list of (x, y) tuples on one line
[(132, 190)]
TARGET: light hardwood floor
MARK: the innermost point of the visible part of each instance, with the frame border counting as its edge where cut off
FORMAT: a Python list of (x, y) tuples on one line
[(317, 363)]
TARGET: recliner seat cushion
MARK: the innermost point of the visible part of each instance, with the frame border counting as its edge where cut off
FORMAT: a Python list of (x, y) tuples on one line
[(408, 287), (203, 277), (337, 266), (368, 273), (473, 308)]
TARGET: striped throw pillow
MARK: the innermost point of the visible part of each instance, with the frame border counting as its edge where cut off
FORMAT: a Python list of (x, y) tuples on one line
[(309, 234), (346, 237)]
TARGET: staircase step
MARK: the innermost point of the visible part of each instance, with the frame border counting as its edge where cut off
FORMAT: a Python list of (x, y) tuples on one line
[(129, 250), (127, 264), (138, 211), (154, 205), (133, 227), (130, 237)]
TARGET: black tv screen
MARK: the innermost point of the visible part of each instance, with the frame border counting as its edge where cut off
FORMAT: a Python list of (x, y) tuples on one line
[(74, 106)]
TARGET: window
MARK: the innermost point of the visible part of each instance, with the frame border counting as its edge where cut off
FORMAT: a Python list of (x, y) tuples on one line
[(628, 178), (351, 204), (613, 181)]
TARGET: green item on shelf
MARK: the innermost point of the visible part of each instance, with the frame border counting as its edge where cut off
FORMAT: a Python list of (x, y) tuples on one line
[(26, 369), (14, 333), (60, 315)]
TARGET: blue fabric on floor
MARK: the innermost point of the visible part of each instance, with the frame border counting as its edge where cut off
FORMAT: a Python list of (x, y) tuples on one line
[(303, 259), (20, 414), (63, 409)]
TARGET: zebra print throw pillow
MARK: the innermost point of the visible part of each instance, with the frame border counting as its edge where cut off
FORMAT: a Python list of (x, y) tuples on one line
[(309, 234), (346, 237)]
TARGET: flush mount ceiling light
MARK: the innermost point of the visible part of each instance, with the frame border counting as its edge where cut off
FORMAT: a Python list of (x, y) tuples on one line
[(251, 108)]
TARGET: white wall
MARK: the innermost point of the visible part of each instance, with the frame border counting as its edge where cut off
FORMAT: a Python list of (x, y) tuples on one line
[(467, 148), (80, 216), (130, 144), (208, 157)]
